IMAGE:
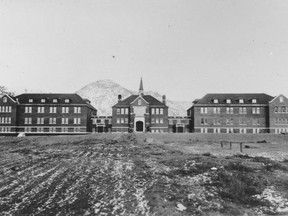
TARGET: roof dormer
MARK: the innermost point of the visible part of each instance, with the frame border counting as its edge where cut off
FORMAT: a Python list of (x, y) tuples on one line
[(215, 101), (228, 101), (254, 100), (241, 101)]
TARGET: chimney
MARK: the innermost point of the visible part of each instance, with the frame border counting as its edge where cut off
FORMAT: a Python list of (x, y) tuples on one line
[(164, 99), (119, 97)]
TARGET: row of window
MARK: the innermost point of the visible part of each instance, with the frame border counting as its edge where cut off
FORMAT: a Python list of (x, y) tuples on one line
[(156, 120), (281, 121), (53, 120), (230, 121), (157, 111), (5, 109), (122, 120), (5, 120), (281, 109), (52, 129), (43, 100), (229, 130), (230, 110), (28, 109), (228, 101), (176, 121), (122, 111)]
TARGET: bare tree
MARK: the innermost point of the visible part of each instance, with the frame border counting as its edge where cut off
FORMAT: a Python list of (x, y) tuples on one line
[(3, 90)]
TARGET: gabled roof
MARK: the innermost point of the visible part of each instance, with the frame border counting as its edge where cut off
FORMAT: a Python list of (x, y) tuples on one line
[(73, 98), (150, 99), (261, 98), (10, 97)]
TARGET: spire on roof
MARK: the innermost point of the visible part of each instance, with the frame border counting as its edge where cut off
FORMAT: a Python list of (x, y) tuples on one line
[(141, 90)]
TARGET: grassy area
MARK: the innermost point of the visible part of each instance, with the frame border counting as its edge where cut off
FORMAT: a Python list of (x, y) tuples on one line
[(121, 174)]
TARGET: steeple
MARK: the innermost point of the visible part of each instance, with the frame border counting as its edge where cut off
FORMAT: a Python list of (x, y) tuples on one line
[(141, 90)]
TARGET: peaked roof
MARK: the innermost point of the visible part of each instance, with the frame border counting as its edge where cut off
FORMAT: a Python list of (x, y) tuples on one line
[(74, 98), (261, 98), (150, 99)]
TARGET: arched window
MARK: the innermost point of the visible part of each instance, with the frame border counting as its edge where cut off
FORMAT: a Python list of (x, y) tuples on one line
[(139, 102), (5, 100)]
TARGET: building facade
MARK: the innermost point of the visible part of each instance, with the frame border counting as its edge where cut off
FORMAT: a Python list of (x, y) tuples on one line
[(140, 113), (235, 113), (46, 114), (179, 124), (278, 115)]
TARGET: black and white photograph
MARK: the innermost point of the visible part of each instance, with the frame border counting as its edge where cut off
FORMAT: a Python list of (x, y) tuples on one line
[(143, 107)]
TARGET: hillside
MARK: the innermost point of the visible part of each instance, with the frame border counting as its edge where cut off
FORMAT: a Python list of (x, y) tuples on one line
[(103, 94)]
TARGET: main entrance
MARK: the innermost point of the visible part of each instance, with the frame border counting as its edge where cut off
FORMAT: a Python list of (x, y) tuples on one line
[(139, 126)]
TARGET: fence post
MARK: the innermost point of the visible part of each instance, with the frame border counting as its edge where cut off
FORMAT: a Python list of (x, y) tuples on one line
[(240, 146), (221, 144)]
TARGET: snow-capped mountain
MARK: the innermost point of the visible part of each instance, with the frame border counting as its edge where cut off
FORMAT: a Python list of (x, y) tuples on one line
[(103, 94)]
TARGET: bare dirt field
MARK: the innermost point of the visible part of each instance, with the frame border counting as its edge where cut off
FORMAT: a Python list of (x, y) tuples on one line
[(144, 174)]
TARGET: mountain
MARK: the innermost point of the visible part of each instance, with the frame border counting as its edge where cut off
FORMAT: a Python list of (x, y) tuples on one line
[(103, 94)]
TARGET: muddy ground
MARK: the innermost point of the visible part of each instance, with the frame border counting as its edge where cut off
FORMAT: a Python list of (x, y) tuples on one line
[(127, 174)]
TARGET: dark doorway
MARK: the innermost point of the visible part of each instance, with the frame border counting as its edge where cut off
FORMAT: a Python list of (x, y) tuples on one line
[(100, 129), (180, 129), (139, 126)]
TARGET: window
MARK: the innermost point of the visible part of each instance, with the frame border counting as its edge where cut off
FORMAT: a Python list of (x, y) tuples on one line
[(203, 121), (77, 120), (5, 100), (64, 130), (276, 109), (255, 121), (152, 120), (126, 120), (55, 100), (126, 111), (216, 121), (40, 129), (281, 99), (40, 109), (254, 101), (229, 110), (64, 121), (139, 102), (242, 110), (65, 109), (122, 120), (161, 111), (118, 120), (118, 111), (215, 101), (283, 109), (161, 120), (43, 100), (52, 120), (157, 120), (152, 111), (30, 100), (28, 109), (229, 121), (228, 101), (216, 110), (52, 129), (28, 121), (156, 111), (52, 109), (204, 110), (77, 109), (40, 120), (241, 101)]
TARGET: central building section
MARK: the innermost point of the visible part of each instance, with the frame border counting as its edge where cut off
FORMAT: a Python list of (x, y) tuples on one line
[(140, 113)]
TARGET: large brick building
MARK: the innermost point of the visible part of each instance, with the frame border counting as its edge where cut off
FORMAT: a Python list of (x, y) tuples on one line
[(239, 113), (140, 113), (46, 114)]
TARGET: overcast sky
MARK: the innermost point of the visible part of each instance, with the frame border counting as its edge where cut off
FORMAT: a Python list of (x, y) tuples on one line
[(181, 48)]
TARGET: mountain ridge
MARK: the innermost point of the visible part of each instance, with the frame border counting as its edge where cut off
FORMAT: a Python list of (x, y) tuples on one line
[(103, 94)]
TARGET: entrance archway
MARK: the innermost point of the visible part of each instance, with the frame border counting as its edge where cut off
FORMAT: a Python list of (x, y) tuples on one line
[(139, 126)]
